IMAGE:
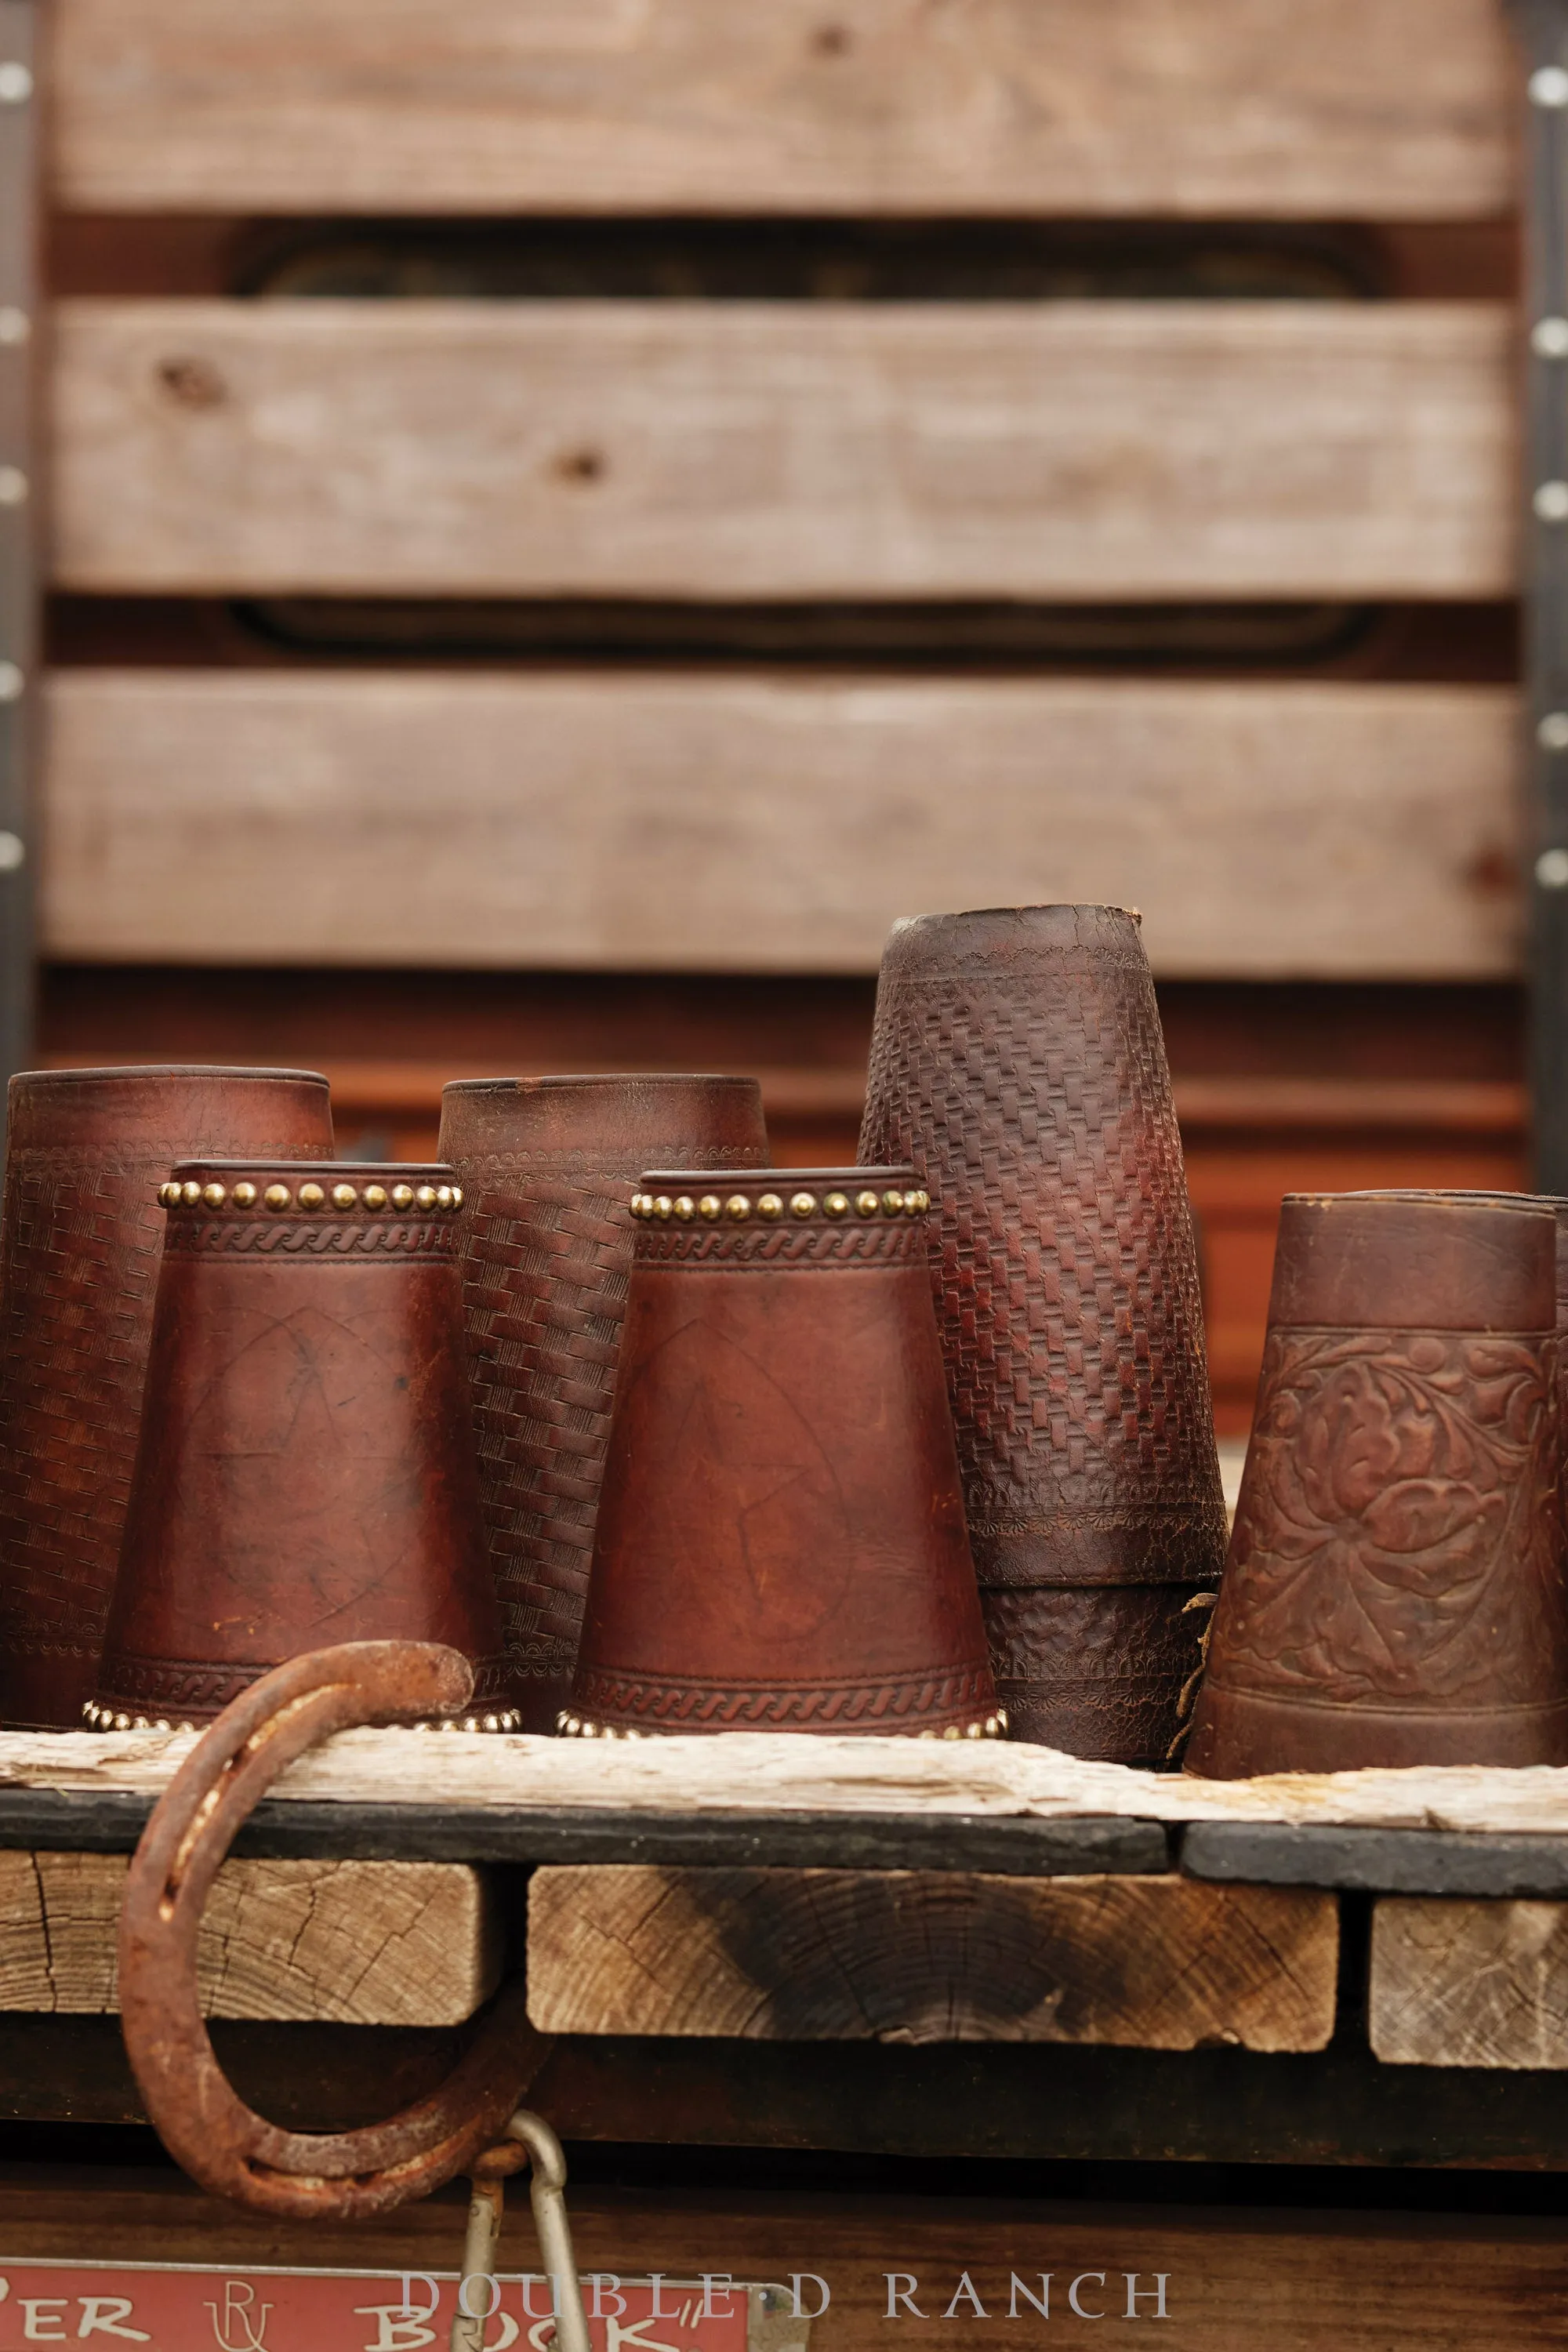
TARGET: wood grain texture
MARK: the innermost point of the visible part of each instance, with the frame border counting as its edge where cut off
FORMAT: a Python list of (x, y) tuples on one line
[(1237, 2279), (1071, 450), (363, 1943), (1371, 108), (910, 1956), (760, 1774), (1469, 1984), (755, 825)]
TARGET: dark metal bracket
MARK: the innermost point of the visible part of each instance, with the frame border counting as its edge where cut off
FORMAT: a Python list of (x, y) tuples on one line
[(19, 501)]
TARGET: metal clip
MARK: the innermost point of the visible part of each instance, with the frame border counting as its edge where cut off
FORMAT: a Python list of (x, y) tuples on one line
[(529, 2140)]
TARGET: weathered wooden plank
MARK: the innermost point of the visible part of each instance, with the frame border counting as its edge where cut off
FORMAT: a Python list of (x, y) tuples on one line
[(941, 2101), (851, 1956), (1370, 108), (1469, 1984), (1232, 2278), (765, 1775), (363, 1943), (1074, 450), (746, 824)]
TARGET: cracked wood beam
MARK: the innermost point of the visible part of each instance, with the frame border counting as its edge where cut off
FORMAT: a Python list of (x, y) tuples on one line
[(1469, 1984), (357, 1943), (1155, 1962)]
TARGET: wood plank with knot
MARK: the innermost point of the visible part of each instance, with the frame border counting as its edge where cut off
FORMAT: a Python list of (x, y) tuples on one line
[(1157, 1963)]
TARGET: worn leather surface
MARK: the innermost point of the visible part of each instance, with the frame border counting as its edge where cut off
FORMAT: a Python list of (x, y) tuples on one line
[(781, 1541), (86, 1151), (1395, 1592), (306, 1472), (548, 1166), (1017, 1061), (1103, 1671)]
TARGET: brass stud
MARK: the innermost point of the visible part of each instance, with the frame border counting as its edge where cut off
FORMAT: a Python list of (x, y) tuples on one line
[(424, 1194), (311, 1196), (917, 1204), (213, 1195), (123, 1723), (163, 1724), (867, 1204), (403, 1196), (951, 1731), (190, 1192), (639, 1204), (491, 1724), (344, 1196), (738, 1207), (374, 1196), (443, 1196), (892, 1202), (802, 1204), (245, 1194), (277, 1196), (770, 1205), (169, 1195), (836, 1204), (664, 1207), (711, 1206), (974, 1731), (685, 1208), (457, 1196)]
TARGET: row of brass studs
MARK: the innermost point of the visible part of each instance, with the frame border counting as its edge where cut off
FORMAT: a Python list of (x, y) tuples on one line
[(579, 1727), (104, 1718), (509, 1718), (245, 1195), (772, 1205)]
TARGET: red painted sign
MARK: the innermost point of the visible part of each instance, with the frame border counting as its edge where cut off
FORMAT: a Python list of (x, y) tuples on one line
[(183, 2309)]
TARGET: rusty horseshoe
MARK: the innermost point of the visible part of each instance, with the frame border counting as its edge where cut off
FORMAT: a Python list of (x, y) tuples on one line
[(221, 2142)]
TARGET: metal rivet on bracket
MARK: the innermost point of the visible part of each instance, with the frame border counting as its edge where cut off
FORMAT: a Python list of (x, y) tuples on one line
[(11, 681), (15, 82), (15, 324), (1549, 85), (1548, 339), (1551, 502), (1552, 870), (1551, 734), (13, 852)]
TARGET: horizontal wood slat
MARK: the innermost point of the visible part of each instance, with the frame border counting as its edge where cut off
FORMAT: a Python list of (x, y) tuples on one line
[(741, 823), (366, 1943), (1392, 108), (1072, 450), (904, 1956)]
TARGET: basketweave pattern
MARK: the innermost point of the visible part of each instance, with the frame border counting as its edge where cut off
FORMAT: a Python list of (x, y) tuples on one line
[(546, 1254), (1038, 1111), (82, 1240)]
